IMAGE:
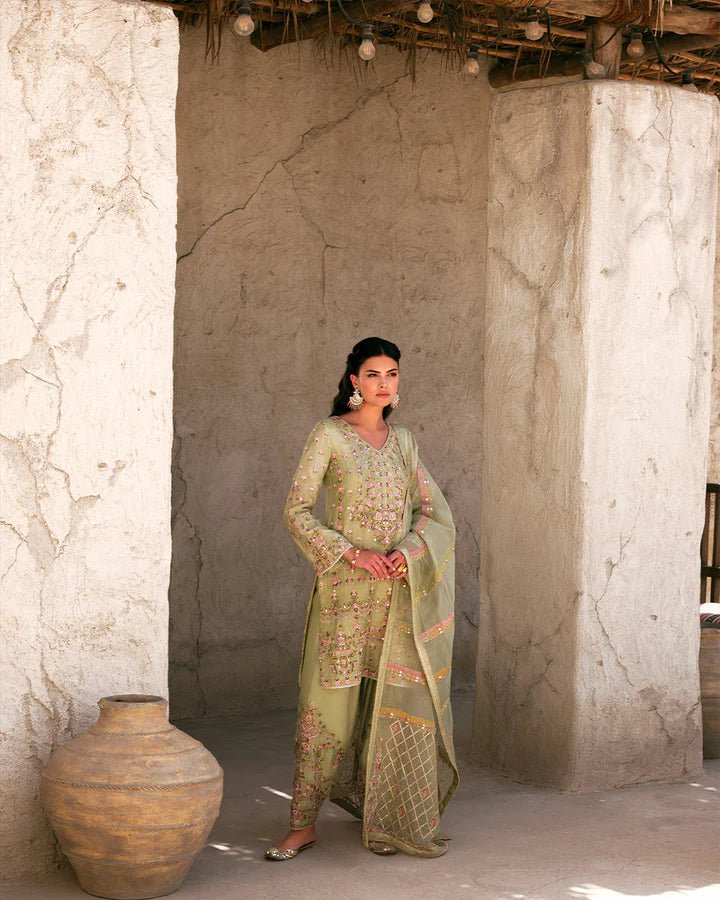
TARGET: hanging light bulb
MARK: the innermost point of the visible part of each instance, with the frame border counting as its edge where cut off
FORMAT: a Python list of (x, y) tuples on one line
[(533, 29), (635, 47), (592, 69), (366, 50), (472, 66), (425, 13), (688, 82), (244, 25)]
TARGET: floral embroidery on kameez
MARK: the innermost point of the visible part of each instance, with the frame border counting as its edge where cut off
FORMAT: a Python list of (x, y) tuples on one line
[(366, 488)]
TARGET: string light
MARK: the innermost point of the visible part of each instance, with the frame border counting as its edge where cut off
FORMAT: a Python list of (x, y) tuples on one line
[(425, 13), (366, 50), (244, 25), (688, 82), (635, 48), (533, 29), (472, 66), (592, 69)]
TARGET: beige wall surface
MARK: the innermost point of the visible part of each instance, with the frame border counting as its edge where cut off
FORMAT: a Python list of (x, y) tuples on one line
[(315, 209), (88, 233), (598, 352)]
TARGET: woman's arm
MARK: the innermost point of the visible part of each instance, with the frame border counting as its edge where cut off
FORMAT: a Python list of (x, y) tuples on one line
[(322, 546)]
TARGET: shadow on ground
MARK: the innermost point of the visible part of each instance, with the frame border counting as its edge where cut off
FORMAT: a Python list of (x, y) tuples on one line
[(509, 841)]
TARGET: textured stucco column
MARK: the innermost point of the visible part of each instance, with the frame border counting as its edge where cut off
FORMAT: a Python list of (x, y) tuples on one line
[(601, 242), (88, 261)]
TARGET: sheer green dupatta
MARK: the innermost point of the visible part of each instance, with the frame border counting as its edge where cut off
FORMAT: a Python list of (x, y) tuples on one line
[(408, 760)]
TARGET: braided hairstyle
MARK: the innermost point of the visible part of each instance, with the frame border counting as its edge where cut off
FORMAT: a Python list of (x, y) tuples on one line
[(364, 349)]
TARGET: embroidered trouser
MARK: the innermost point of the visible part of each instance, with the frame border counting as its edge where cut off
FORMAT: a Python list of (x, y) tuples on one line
[(327, 723)]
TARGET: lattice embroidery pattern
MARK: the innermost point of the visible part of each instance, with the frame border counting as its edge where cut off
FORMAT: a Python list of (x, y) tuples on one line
[(405, 788)]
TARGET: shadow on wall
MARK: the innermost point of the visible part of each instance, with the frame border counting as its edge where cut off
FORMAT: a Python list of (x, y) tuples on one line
[(313, 211)]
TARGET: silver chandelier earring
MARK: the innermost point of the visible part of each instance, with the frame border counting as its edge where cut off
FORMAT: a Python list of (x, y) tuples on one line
[(356, 400), (395, 402)]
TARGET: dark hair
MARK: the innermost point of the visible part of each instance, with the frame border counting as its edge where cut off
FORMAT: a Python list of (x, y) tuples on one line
[(364, 349)]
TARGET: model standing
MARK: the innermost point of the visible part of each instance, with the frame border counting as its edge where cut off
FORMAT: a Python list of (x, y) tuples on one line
[(374, 730)]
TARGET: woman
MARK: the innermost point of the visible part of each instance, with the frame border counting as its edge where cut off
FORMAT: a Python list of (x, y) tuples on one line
[(374, 730)]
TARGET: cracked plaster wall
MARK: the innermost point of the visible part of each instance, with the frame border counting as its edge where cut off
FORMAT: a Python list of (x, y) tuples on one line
[(88, 233), (315, 209), (597, 402)]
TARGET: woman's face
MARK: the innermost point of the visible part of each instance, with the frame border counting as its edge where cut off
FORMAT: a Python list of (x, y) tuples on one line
[(377, 380)]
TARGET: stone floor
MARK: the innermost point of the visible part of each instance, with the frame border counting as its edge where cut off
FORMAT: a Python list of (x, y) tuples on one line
[(509, 841)]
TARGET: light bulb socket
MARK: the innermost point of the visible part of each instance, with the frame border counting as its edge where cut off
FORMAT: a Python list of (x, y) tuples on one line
[(471, 66), (366, 50), (244, 26), (593, 69), (533, 29), (425, 12), (635, 48)]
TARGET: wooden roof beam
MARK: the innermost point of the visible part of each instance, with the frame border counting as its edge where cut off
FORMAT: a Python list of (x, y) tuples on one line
[(567, 65), (267, 38), (678, 18)]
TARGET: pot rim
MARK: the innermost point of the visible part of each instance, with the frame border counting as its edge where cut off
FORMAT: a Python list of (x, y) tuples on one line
[(131, 701)]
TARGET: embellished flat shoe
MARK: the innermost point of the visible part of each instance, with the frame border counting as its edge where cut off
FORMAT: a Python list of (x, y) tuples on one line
[(382, 849), (279, 853)]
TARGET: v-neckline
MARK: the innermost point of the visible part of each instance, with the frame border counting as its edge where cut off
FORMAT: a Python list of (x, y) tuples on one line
[(357, 434)]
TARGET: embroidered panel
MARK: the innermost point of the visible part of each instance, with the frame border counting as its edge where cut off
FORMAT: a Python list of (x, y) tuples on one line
[(318, 754), (437, 629), (403, 793), (376, 504), (399, 676), (352, 634)]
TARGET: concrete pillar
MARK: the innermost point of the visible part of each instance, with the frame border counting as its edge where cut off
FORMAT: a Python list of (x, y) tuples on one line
[(601, 243), (88, 256)]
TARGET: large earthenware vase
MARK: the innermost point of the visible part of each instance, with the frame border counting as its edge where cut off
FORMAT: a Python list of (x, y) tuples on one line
[(132, 800), (710, 691)]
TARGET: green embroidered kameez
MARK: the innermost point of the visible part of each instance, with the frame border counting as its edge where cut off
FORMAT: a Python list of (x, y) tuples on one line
[(375, 731)]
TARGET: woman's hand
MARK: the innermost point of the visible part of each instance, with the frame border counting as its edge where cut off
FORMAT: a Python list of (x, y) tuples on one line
[(373, 562), (379, 565), (398, 565)]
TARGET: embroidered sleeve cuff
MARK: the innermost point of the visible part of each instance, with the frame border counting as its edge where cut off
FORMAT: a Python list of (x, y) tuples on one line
[(332, 555)]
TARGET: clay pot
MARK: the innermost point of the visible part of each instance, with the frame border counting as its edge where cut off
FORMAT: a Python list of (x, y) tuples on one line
[(132, 800), (710, 691)]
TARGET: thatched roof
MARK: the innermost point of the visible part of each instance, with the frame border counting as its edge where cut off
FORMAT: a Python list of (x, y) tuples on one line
[(679, 36)]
